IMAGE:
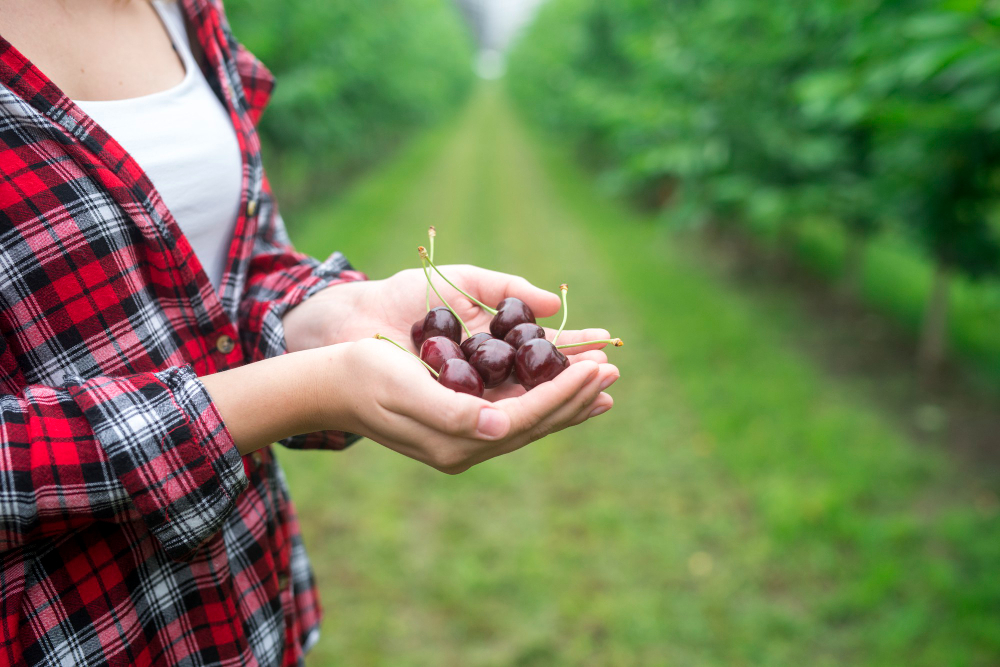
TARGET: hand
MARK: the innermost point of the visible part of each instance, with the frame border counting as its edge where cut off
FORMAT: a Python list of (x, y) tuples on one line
[(376, 390), (359, 310), (394, 401)]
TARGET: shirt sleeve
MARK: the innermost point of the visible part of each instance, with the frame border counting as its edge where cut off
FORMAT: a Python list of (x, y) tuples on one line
[(279, 278), (148, 447)]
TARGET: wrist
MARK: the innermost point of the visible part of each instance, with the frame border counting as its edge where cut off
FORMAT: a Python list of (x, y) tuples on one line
[(298, 330), (316, 379), (318, 320), (273, 399)]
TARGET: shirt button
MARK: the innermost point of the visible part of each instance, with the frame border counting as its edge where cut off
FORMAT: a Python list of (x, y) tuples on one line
[(224, 344), (252, 208), (256, 458), (282, 580)]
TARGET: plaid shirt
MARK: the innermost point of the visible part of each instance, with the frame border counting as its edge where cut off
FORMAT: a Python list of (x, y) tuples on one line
[(131, 531)]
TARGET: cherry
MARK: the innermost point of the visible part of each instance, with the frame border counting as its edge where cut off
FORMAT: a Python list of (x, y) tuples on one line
[(417, 333), (459, 375), (510, 312), (470, 344), (493, 360), (438, 322), (456, 374), (449, 324), (522, 333), (438, 349), (538, 361)]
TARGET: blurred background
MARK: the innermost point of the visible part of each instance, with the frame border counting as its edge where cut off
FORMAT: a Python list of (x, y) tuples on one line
[(790, 213)]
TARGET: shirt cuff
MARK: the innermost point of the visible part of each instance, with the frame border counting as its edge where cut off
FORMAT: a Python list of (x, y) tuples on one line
[(335, 440), (168, 446)]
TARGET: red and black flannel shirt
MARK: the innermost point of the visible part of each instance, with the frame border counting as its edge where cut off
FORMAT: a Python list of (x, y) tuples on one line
[(131, 531)]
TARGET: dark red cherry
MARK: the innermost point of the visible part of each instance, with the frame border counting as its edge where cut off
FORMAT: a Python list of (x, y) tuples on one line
[(538, 361), (458, 375), (470, 344), (440, 322), (510, 313), (493, 360), (522, 333), (417, 334), (438, 349)]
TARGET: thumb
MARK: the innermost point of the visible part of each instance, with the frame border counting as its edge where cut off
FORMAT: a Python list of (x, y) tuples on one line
[(453, 413)]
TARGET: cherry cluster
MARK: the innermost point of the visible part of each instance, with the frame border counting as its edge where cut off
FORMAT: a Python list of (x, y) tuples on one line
[(514, 348)]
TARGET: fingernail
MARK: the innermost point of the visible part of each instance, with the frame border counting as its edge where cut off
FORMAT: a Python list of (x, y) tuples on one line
[(608, 382), (492, 423), (598, 411)]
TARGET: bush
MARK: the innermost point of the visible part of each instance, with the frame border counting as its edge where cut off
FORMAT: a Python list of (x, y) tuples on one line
[(353, 78)]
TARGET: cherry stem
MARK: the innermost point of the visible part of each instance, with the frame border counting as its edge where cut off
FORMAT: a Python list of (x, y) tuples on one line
[(491, 311), (381, 337), (427, 274), (617, 342), (431, 233), (563, 289)]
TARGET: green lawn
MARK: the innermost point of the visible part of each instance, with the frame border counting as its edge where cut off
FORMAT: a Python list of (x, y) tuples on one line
[(737, 506)]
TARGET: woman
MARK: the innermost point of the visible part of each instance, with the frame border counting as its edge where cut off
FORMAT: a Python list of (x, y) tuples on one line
[(159, 332)]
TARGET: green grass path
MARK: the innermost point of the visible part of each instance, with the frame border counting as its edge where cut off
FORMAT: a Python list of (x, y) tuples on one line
[(736, 507)]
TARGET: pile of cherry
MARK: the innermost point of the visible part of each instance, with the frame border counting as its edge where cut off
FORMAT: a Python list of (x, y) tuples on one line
[(514, 348)]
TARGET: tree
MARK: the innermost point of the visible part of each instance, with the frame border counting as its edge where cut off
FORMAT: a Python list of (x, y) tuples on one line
[(940, 126), (353, 78)]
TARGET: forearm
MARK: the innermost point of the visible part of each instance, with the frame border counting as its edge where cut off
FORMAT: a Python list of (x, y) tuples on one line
[(269, 400)]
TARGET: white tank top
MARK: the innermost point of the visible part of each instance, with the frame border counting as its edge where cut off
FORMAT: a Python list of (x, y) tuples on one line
[(184, 140)]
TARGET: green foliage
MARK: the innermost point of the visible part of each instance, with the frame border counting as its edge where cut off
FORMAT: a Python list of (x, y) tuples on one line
[(354, 78), (868, 111)]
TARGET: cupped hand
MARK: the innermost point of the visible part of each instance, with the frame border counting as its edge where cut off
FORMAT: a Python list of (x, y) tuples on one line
[(358, 310), (395, 401)]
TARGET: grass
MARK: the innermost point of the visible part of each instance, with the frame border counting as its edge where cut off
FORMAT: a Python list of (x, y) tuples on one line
[(737, 506)]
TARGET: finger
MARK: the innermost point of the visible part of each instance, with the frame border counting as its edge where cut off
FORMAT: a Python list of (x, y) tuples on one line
[(601, 404), (505, 390), (580, 405), (419, 396), (579, 336), (424, 420), (582, 410), (410, 437), (492, 287), (579, 408), (534, 429), (510, 389), (597, 356), (532, 408), (610, 375)]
